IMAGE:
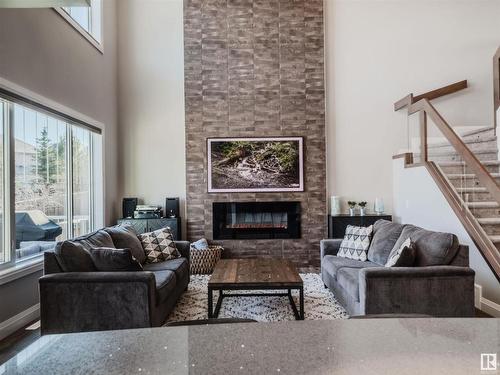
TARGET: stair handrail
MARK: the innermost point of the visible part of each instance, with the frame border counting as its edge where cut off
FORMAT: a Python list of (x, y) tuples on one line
[(430, 95), (426, 109)]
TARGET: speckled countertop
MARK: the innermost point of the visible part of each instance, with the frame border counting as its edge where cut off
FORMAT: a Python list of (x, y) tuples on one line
[(383, 346)]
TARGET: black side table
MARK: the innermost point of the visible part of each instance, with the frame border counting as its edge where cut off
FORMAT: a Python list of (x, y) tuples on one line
[(337, 224)]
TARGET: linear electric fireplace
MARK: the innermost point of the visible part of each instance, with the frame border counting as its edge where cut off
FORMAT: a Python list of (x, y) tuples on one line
[(256, 220)]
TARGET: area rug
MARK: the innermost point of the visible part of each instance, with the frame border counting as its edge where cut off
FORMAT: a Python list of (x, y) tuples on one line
[(319, 303)]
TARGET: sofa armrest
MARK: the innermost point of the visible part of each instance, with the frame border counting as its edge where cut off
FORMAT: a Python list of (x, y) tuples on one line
[(436, 290), (329, 247), (184, 248), (96, 301)]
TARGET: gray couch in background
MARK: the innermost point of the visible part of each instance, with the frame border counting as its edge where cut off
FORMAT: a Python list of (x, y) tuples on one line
[(75, 297), (439, 284)]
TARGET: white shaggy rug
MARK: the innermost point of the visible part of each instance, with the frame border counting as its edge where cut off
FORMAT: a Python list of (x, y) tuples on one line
[(319, 303)]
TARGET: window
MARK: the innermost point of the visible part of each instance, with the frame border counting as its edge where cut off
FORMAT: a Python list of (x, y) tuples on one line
[(49, 162), (87, 20)]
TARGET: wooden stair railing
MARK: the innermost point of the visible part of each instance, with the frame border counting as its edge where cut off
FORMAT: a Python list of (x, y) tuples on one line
[(421, 104)]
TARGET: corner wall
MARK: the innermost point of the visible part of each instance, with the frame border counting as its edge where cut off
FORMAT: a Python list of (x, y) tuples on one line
[(379, 51), (151, 100)]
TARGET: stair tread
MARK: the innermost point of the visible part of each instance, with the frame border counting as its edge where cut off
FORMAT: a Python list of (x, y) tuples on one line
[(472, 190), (450, 163), (467, 142), (489, 220), (468, 175), (494, 238), (476, 131), (482, 204)]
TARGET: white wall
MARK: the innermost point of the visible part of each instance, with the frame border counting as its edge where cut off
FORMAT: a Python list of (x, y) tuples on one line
[(151, 103), (379, 51), (418, 200)]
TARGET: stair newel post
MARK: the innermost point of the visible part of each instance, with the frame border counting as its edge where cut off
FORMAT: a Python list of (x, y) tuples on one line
[(423, 135)]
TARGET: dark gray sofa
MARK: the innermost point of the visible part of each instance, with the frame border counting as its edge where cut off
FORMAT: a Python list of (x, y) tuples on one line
[(90, 300), (439, 284)]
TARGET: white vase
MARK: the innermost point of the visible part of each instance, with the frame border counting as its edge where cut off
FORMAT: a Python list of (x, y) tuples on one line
[(361, 211), (335, 205), (352, 211)]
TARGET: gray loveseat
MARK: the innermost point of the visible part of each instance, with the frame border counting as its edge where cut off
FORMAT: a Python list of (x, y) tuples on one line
[(74, 297), (439, 284)]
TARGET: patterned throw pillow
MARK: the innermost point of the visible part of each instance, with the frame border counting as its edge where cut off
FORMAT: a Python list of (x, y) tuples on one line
[(159, 245), (404, 256), (356, 243)]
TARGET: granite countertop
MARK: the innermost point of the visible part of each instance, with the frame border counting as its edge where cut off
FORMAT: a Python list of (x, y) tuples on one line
[(381, 346)]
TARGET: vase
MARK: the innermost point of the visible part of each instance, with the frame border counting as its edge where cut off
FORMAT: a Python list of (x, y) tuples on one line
[(379, 206), (335, 205), (361, 211), (351, 211)]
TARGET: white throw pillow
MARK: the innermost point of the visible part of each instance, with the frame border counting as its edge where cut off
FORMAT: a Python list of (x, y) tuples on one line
[(356, 243)]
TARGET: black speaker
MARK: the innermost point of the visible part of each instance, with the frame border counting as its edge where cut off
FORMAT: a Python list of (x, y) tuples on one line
[(129, 205), (172, 207)]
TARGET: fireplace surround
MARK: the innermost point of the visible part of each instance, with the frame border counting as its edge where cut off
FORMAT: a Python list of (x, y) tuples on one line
[(256, 220), (252, 69)]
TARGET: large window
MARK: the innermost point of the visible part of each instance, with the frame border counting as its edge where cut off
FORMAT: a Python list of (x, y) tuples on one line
[(48, 162)]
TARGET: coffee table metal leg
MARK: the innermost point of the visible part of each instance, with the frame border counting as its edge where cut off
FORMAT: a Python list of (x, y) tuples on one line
[(301, 302), (292, 303), (218, 304), (210, 303)]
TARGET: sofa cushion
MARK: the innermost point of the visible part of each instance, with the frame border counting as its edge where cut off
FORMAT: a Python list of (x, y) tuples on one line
[(114, 260), (356, 242), (165, 284), (95, 239), (348, 279), (433, 248), (180, 266), (332, 264), (385, 235), (73, 257), (125, 237), (404, 256)]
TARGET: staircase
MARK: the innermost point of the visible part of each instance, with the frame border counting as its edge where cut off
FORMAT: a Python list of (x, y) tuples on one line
[(465, 166), (483, 143)]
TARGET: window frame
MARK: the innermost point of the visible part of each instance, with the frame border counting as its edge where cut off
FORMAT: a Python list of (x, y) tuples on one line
[(95, 12), (11, 94)]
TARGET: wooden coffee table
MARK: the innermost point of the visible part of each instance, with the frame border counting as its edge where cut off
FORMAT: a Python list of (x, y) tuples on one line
[(255, 274)]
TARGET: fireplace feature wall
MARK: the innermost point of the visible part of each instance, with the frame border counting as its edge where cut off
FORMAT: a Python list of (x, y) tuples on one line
[(255, 68), (256, 220)]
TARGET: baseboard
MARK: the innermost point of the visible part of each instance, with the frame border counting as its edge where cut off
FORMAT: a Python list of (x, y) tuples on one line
[(18, 321), (484, 304), (490, 307)]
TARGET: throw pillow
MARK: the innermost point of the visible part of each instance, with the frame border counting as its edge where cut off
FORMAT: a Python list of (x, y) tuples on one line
[(356, 243), (404, 256), (124, 236), (159, 245), (114, 260), (74, 257), (200, 244)]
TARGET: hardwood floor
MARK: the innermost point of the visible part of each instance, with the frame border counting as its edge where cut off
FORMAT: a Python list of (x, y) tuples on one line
[(19, 340)]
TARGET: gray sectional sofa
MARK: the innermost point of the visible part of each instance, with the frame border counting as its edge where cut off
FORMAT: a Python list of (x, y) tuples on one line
[(439, 284), (75, 297)]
